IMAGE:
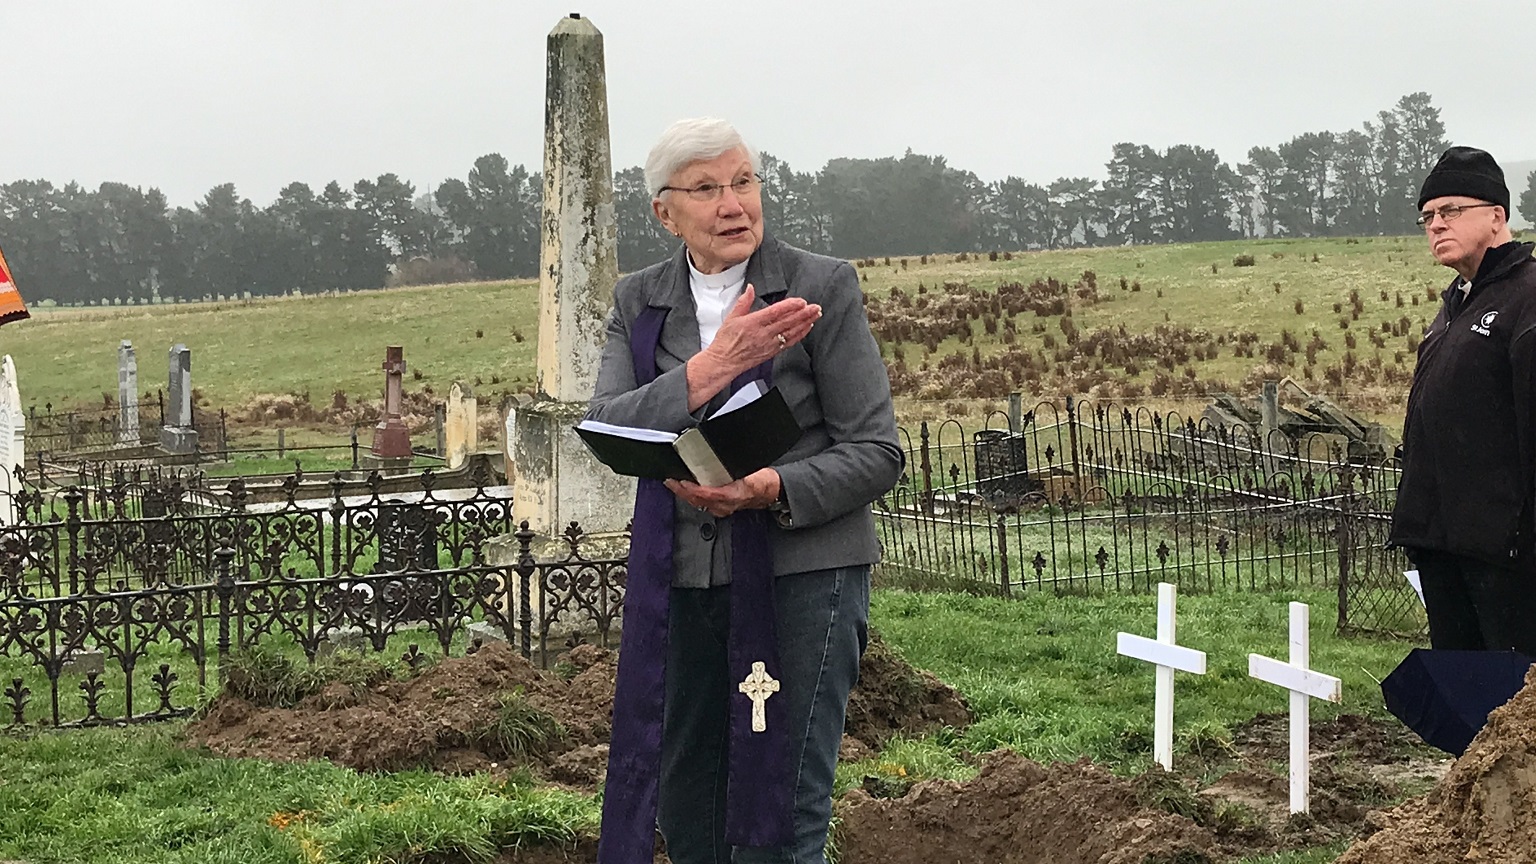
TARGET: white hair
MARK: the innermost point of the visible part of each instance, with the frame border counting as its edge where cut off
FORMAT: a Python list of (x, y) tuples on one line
[(695, 140)]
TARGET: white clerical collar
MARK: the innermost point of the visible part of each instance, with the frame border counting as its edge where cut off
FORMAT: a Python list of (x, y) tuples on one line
[(728, 278)]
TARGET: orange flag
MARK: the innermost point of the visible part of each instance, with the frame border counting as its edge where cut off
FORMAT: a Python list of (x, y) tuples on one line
[(11, 307)]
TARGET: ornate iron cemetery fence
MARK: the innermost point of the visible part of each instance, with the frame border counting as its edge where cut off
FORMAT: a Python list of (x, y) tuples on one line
[(121, 597), (1083, 496), (62, 433), (132, 639), (67, 431), (143, 535)]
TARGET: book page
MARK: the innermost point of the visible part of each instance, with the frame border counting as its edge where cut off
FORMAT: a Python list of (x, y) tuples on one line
[(634, 433), (750, 392)]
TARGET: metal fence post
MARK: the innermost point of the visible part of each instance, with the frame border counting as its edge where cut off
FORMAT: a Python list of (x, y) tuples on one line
[(355, 463), (1344, 536), (224, 587), (440, 411), (526, 567), (926, 467), (72, 498), (1072, 438), (1002, 551)]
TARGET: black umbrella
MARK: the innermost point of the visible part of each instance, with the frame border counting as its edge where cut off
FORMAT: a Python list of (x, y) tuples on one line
[(1446, 696)]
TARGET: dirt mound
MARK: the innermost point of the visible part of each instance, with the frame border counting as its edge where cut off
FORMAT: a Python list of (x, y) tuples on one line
[(459, 715), (1018, 812), (493, 710), (1358, 762), (1484, 809), (895, 698)]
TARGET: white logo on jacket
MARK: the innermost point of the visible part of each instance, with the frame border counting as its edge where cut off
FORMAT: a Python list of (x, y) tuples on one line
[(1481, 327)]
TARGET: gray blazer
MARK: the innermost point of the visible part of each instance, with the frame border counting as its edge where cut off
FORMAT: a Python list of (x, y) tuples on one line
[(834, 381)]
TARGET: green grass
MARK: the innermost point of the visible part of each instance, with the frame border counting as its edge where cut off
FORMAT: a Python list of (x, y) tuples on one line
[(1179, 288), (314, 345), (318, 345), (1040, 673), (137, 796), (313, 463), (266, 674), (520, 731), (1043, 678)]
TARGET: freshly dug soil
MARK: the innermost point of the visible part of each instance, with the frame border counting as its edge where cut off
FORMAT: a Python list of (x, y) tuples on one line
[(442, 717), (1013, 811), (1483, 810), (1358, 763), (1018, 812), (893, 698)]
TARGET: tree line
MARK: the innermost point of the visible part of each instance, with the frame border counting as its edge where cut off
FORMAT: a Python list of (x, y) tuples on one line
[(122, 244)]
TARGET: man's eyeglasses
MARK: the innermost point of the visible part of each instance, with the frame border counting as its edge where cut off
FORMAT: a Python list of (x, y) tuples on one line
[(743, 187), (1449, 213)]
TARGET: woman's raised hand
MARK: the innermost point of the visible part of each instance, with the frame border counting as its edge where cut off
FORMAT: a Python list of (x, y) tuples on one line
[(747, 338)]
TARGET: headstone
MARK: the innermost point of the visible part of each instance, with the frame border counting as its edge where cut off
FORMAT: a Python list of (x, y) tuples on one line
[(1269, 412), (178, 435), (391, 440), (1002, 468), (127, 395), (13, 449), (358, 640), (556, 480), (1305, 685), (407, 535), (462, 425), (1168, 657), (84, 661)]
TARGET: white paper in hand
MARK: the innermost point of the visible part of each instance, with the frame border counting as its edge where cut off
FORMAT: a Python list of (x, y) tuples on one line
[(1418, 586)]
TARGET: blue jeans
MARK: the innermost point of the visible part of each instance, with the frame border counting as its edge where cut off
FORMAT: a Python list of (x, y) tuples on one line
[(822, 620)]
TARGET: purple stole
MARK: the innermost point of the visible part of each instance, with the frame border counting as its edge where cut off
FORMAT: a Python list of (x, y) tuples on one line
[(760, 788)]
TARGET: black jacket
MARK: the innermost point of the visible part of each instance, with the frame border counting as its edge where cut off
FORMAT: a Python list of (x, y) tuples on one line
[(1469, 440)]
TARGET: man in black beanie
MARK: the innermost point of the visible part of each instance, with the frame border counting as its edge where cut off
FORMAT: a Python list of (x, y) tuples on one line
[(1466, 502)]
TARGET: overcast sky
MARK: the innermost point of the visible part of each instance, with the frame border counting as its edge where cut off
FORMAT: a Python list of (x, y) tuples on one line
[(186, 94)]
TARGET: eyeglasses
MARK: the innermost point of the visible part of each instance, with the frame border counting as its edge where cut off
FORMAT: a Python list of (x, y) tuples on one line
[(1449, 213), (743, 187)]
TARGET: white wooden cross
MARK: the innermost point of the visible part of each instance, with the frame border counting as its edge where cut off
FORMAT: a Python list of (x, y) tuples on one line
[(1304, 684), (758, 687), (1168, 657)]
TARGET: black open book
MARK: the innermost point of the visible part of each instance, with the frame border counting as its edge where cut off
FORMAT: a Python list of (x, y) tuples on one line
[(752, 429)]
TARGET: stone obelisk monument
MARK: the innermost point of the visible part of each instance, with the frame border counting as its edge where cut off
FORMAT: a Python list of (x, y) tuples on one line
[(127, 395), (555, 480)]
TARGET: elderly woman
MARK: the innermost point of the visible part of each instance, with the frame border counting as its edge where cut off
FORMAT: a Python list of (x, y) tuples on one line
[(750, 598)]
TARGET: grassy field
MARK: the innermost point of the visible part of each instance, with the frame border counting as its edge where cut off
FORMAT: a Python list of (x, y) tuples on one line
[(487, 332), (135, 795), (1040, 674), (314, 345)]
